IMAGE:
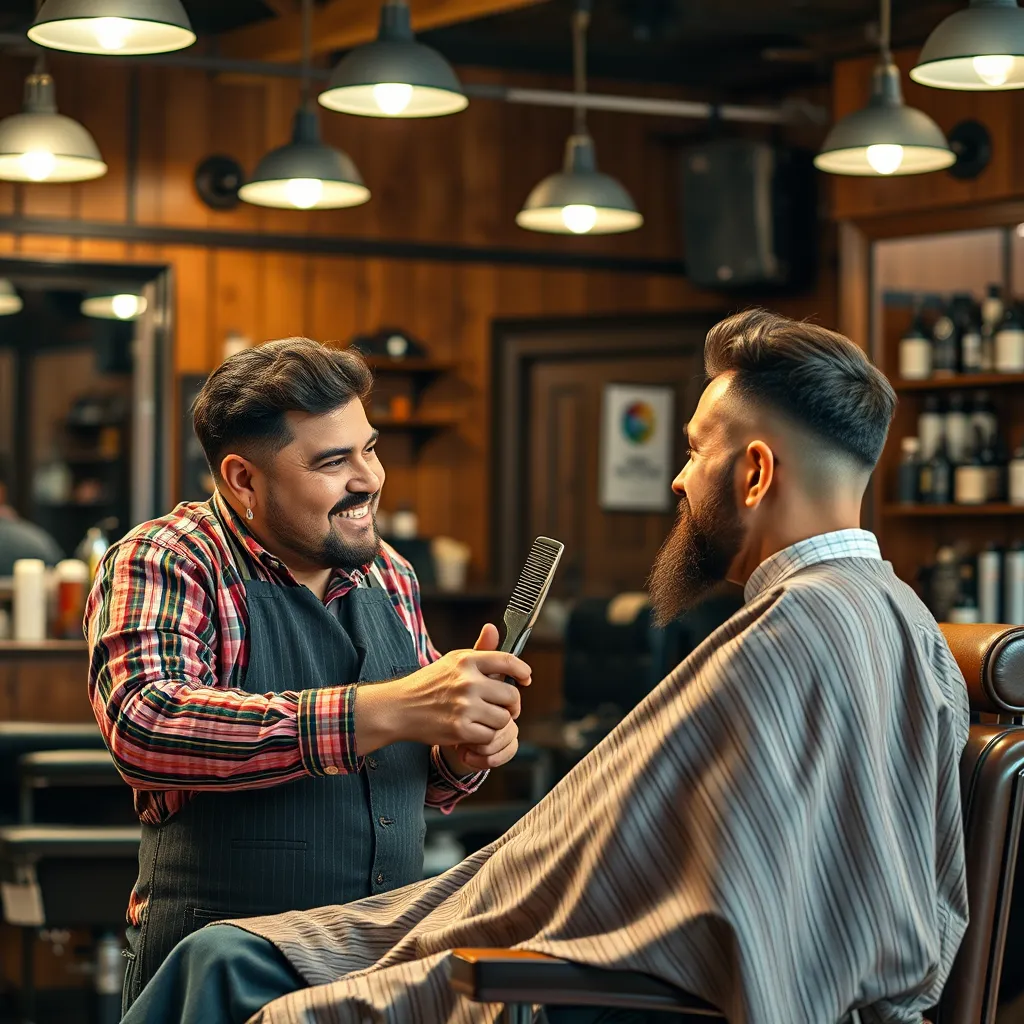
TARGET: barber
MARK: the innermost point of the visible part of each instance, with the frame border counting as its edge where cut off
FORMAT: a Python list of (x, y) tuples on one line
[(228, 641)]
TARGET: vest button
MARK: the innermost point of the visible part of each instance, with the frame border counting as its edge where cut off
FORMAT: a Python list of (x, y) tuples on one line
[(386, 821), (331, 769), (380, 877), (371, 762)]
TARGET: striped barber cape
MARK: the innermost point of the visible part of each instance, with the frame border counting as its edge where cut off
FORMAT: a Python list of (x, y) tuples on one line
[(776, 828)]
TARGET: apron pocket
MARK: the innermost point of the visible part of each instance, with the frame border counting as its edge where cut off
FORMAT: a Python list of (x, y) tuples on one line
[(198, 917)]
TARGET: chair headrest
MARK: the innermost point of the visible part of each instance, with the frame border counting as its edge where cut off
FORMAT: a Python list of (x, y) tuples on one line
[(992, 661)]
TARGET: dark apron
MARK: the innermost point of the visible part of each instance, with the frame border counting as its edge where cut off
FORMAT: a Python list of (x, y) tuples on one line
[(309, 843)]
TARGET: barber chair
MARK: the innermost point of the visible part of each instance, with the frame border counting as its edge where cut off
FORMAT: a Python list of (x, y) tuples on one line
[(992, 790)]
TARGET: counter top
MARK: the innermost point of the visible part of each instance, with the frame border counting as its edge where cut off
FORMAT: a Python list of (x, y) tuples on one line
[(19, 648)]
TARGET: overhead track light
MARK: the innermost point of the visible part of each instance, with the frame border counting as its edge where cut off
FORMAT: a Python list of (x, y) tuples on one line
[(981, 48), (122, 306), (885, 137), (41, 145), (305, 174), (394, 76), (124, 27), (579, 199)]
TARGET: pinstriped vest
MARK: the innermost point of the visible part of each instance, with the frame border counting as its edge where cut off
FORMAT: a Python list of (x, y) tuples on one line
[(312, 842)]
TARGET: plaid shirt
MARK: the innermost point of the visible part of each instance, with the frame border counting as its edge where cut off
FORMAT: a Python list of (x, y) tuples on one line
[(167, 626)]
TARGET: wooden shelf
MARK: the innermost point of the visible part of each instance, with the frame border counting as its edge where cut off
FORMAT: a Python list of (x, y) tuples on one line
[(953, 510), (414, 422), (963, 382)]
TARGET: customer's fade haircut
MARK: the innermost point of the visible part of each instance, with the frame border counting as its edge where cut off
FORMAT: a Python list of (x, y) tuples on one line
[(817, 378), (241, 407)]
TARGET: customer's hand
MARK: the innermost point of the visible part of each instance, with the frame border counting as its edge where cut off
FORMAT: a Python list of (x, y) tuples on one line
[(503, 747), (461, 699)]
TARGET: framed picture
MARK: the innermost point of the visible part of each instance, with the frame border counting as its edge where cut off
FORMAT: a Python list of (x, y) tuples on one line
[(636, 467)]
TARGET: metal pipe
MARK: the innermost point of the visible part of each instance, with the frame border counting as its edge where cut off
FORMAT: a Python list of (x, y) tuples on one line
[(786, 113)]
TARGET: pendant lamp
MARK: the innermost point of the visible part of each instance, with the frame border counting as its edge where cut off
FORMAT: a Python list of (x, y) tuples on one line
[(394, 76), (305, 174), (10, 300), (41, 145), (885, 137), (981, 48), (125, 27), (579, 199), (122, 306)]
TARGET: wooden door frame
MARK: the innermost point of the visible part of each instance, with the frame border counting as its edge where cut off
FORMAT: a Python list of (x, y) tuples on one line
[(516, 345)]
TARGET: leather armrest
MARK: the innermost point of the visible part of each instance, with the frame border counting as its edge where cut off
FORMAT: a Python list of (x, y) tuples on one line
[(519, 976), (991, 658)]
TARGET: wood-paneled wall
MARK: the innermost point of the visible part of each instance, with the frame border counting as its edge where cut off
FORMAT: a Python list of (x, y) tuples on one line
[(457, 181)]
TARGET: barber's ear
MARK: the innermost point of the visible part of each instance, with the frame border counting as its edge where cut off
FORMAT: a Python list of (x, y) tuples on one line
[(760, 473), (237, 474)]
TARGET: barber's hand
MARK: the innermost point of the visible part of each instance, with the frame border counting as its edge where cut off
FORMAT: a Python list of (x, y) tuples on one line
[(461, 699), (502, 748)]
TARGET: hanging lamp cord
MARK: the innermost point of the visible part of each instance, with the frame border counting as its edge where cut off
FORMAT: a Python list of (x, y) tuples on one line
[(580, 23), (307, 47), (885, 29)]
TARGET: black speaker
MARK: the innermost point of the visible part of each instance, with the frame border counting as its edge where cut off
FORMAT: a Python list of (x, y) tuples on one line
[(749, 215)]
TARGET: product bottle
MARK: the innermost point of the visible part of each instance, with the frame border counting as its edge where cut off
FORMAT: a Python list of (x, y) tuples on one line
[(1009, 343), (968, 320), (945, 345), (957, 429), (915, 350), (983, 414), (1013, 585), (909, 472), (1015, 473), (931, 427), (971, 479), (991, 317), (990, 583), (937, 478), (944, 587)]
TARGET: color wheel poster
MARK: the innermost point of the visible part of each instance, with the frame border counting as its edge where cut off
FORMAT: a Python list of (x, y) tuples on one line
[(636, 448)]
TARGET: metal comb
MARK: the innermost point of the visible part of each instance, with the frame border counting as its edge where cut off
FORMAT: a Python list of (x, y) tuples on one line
[(530, 591)]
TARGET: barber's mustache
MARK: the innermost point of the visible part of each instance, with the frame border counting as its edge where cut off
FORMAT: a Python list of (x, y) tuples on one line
[(353, 501)]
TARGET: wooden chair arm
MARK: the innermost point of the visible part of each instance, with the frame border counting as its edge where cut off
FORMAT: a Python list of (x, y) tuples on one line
[(519, 976)]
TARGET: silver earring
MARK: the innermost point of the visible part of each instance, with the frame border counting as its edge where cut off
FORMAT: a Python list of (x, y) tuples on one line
[(248, 514)]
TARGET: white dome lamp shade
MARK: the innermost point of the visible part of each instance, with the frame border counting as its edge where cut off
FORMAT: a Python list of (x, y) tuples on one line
[(886, 137), (112, 27), (305, 174), (579, 199), (41, 145), (119, 306), (10, 300), (394, 76), (979, 49)]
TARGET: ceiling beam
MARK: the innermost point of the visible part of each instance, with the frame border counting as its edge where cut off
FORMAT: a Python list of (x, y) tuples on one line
[(341, 24)]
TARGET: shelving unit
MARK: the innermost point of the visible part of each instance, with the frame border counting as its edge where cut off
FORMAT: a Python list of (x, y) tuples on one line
[(962, 382), (960, 511)]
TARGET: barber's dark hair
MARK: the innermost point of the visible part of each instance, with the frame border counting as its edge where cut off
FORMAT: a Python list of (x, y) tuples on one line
[(242, 405), (816, 377)]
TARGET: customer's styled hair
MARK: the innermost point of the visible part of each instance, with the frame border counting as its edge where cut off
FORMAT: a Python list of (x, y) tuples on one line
[(816, 377), (242, 405)]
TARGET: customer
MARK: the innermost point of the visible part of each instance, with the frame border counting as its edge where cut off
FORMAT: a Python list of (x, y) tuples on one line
[(18, 537), (776, 828)]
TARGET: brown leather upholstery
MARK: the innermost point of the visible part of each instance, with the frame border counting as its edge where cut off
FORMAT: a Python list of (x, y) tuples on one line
[(992, 661), (992, 790)]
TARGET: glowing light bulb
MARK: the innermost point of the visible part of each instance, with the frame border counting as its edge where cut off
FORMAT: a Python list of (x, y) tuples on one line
[(125, 306), (392, 97), (112, 33), (38, 164), (304, 193), (885, 158), (579, 219), (993, 69)]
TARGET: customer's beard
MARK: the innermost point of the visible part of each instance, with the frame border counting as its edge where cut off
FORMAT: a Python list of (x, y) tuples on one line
[(327, 551), (697, 553)]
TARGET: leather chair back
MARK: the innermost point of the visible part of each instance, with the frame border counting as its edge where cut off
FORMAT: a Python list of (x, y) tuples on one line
[(992, 790)]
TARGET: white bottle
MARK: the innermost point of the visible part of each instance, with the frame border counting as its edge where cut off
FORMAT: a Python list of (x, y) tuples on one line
[(990, 583), (29, 599), (931, 427), (1015, 475), (1013, 586), (1010, 343), (958, 429)]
